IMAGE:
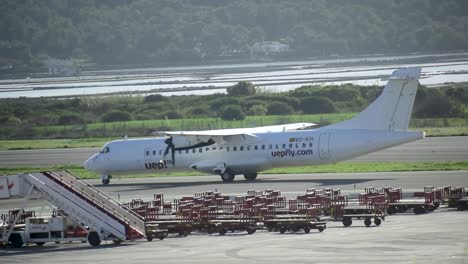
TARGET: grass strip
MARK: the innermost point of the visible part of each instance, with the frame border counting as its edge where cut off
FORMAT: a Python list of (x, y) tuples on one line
[(330, 168)]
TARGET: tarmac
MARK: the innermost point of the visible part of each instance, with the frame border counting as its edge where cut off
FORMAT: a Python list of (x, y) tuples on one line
[(428, 149), (437, 237)]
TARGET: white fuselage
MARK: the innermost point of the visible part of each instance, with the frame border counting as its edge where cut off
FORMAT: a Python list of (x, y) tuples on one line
[(268, 150)]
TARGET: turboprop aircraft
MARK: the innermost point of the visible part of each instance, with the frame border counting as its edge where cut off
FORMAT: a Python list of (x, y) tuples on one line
[(230, 152)]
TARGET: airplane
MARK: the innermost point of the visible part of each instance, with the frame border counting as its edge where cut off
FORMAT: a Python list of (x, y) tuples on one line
[(248, 151)]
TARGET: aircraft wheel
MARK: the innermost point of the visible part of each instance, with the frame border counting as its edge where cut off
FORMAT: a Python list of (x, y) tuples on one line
[(105, 179), (227, 176), (250, 176)]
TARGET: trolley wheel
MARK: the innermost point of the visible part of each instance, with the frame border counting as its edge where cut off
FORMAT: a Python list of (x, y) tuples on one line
[(58, 242), (117, 241), (184, 233), (15, 240), (94, 239), (149, 238), (419, 209), (321, 228), (40, 243), (251, 231), (210, 230), (161, 237), (347, 221), (282, 230), (391, 210), (377, 221), (222, 231), (367, 222), (307, 230), (295, 229), (460, 207)]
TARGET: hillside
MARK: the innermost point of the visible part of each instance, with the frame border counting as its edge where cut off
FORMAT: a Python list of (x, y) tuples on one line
[(122, 32)]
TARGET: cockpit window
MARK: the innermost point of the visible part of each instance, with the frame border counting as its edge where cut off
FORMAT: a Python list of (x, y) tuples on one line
[(105, 150)]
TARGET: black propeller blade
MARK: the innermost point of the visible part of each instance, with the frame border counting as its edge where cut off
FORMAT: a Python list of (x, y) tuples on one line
[(170, 145)]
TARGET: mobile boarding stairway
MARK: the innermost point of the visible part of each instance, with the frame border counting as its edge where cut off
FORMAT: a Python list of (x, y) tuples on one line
[(105, 218)]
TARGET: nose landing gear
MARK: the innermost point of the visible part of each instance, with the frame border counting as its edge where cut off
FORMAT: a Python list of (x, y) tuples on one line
[(106, 179)]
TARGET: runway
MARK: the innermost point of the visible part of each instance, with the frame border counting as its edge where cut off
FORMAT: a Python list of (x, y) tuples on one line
[(438, 237), (428, 149)]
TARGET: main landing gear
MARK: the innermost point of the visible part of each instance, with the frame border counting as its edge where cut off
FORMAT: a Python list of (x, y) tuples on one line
[(250, 176), (228, 176), (106, 179)]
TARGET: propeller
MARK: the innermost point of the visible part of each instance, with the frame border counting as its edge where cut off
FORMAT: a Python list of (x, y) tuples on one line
[(170, 146)]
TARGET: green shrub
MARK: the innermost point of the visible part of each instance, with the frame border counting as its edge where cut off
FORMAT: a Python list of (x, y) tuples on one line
[(317, 105), (116, 116), (279, 108), (241, 89), (232, 112)]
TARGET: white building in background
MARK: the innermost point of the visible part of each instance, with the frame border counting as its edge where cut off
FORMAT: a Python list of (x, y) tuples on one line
[(268, 47), (58, 67)]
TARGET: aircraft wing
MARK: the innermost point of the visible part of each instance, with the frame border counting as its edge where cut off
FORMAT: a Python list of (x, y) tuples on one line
[(234, 135), (237, 131)]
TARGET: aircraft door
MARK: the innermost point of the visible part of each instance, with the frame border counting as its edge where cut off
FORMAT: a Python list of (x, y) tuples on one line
[(324, 146), (147, 153)]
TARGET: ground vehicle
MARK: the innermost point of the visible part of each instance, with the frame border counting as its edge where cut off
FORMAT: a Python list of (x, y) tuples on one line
[(40, 230)]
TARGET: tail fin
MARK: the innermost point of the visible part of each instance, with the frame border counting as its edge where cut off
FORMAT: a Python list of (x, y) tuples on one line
[(392, 109)]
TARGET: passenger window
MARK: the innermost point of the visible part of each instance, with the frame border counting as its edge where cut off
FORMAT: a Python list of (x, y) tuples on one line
[(271, 146), (290, 145), (227, 148), (194, 150), (200, 150), (180, 152), (277, 146), (220, 148), (297, 145), (154, 152), (310, 144), (263, 147), (241, 148), (248, 147), (256, 147), (214, 148), (147, 153), (234, 148), (304, 145), (160, 152), (207, 149), (186, 151), (284, 146)]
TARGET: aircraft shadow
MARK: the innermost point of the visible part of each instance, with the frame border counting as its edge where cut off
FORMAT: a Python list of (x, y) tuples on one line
[(166, 185)]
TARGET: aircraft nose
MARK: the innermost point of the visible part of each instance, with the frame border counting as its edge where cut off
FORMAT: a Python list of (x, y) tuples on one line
[(89, 164)]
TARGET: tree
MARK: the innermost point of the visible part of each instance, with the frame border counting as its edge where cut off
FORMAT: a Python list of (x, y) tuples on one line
[(241, 89), (232, 112), (317, 105), (116, 116), (70, 119), (279, 108)]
